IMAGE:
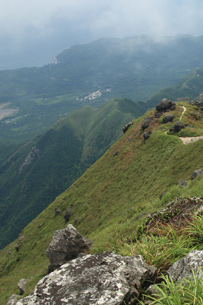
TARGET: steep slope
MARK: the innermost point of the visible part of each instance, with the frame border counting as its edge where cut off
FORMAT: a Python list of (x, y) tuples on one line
[(113, 196), (134, 68), (42, 169)]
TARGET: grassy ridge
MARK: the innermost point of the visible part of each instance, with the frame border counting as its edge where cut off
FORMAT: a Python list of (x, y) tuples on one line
[(43, 168), (110, 199)]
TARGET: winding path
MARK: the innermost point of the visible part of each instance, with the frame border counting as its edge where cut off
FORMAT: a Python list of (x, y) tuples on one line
[(188, 140)]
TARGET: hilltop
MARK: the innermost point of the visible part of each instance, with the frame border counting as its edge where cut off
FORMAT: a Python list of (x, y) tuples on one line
[(111, 200)]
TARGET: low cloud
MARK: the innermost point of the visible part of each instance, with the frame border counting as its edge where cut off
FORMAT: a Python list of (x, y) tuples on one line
[(51, 26)]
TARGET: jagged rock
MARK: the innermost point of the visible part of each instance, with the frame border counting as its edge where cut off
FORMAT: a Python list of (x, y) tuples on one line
[(178, 126), (146, 135), (196, 173), (183, 267), (146, 122), (13, 299), (125, 128), (68, 213), (165, 105), (22, 285), (66, 244), (101, 279), (168, 118)]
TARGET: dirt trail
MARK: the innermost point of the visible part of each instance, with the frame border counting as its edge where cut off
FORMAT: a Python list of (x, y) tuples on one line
[(187, 140), (184, 109)]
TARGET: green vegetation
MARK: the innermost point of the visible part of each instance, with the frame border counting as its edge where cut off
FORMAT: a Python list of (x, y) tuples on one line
[(111, 201), (32, 177), (188, 292)]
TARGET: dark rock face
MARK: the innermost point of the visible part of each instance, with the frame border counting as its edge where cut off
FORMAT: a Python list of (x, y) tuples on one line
[(196, 173), (66, 244), (165, 105), (183, 267), (125, 128), (168, 118), (146, 135), (146, 122), (101, 279), (178, 126)]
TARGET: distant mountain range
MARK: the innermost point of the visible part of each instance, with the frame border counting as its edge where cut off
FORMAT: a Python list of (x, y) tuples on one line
[(134, 68)]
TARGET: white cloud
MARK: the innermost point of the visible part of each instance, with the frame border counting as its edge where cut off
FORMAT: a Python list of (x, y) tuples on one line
[(60, 23)]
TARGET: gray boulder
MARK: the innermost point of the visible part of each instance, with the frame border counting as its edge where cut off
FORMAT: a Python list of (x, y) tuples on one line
[(13, 299), (165, 105), (183, 267), (146, 122), (146, 135), (196, 173), (101, 279), (168, 118), (22, 285), (66, 244), (126, 127), (177, 126)]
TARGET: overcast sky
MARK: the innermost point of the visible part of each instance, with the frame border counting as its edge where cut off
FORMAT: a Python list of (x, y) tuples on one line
[(32, 32)]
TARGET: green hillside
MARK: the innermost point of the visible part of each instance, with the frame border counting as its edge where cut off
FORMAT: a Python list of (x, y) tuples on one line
[(112, 198), (189, 87), (32, 177)]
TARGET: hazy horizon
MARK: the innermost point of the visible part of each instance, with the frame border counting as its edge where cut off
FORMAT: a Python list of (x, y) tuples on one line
[(32, 33)]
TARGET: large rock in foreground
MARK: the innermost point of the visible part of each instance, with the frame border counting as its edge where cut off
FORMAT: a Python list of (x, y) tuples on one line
[(66, 244), (101, 279), (183, 268)]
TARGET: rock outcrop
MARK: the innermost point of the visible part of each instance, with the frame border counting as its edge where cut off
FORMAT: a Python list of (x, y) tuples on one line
[(146, 135), (22, 285), (101, 279), (177, 126), (183, 267), (147, 121), (126, 127), (168, 118), (165, 105), (198, 172), (66, 245), (13, 299)]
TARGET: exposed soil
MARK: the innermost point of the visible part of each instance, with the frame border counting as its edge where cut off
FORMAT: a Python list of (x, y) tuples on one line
[(176, 214)]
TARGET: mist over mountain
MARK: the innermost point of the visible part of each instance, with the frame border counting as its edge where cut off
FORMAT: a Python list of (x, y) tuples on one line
[(91, 74)]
